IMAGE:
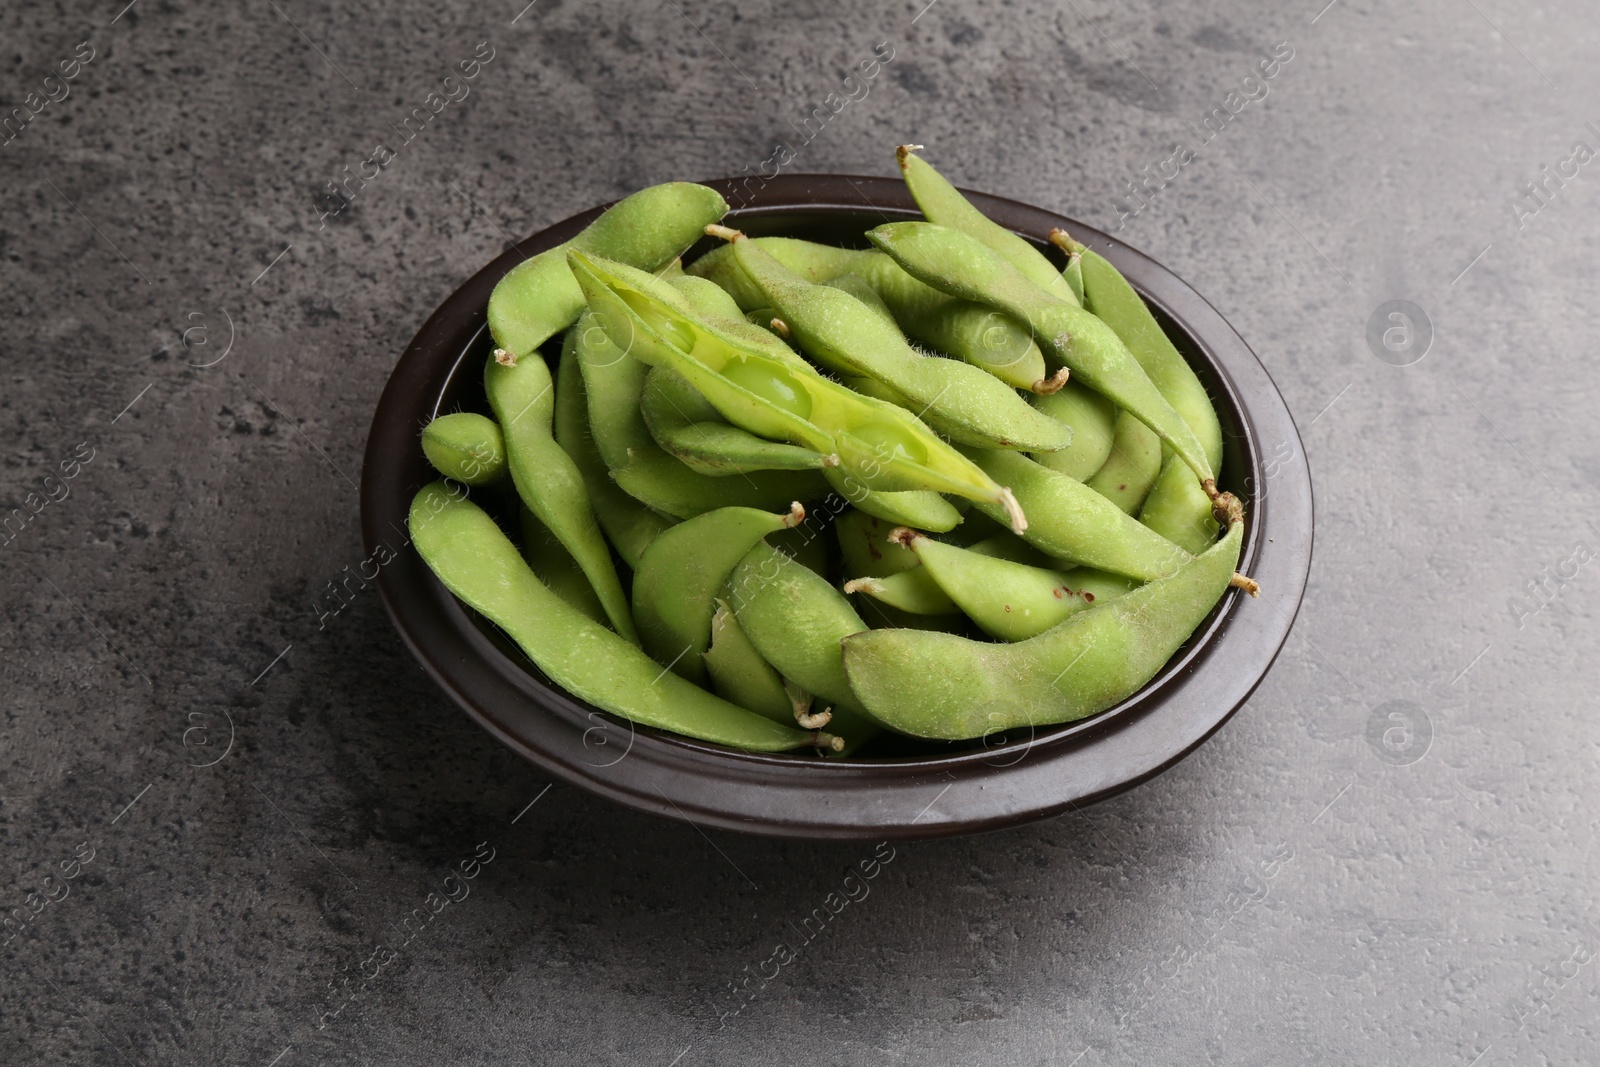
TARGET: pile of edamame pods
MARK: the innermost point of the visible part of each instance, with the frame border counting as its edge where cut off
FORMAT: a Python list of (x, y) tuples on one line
[(1007, 465)]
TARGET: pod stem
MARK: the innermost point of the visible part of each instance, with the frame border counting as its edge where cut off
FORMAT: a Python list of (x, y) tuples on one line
[(1063, 240), (727, 233), (1008, 500), (863, 585), (830, 742), (780, 328), (504, 358), (1225, 507), (797, 515), (903, 535), (1052, 384), (1245, 582), (904, 152)]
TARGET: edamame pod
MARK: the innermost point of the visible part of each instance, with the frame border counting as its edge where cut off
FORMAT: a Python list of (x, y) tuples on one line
[(1177, 508), (613, 383), (522, 397), (1073, 522), (476, 562), (1073, 274), (1128, 473), (686, 426), (944, 204), (884, 447), (1010, 601), (865, 549), (961, 266), (553, 565), (465, 446), (1093, 420), (539, 297), (812, 261), (681, 573), (915, 592), (661, 482), (837, 330), (921, 508), (796, 621), (739, 674), (628, 524), (939, 686)]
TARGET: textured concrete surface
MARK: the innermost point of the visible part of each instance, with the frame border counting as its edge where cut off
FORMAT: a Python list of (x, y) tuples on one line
[(231, 820)]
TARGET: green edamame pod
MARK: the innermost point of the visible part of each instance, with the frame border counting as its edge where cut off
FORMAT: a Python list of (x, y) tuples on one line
[(812, 261), (1011, 601), (804, 543), (883, 447), (681, 573), (522, 396), (477, 562), (796, 620), (961, 266), (712, 304), (553, 565), (1093, 420), (921, 508), (628, 524), (1128, 473), (465, 446), (865, 548), (1178, 509), (1073, 274), (539, 297), (835, 329), (613, 383), (914, 591), (661, 482), (938, 686), (943, 203), (684, 424), (1073, 522), (738, 673)]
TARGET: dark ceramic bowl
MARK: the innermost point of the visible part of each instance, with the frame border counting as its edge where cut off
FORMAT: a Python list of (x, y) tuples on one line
[(899, 789)]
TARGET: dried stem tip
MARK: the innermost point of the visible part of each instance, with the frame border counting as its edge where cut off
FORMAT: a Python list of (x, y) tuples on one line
[(1063, 240), (780, 328), (1008, 500), (903, 535), (813, 721), (863, 585), (904, 152), (829, 742), (1248, 584), (797, 515), (1052, 384), (504, 358), (727, 233)]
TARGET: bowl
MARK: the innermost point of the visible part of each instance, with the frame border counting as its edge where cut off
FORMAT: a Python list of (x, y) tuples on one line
[(916, 790)]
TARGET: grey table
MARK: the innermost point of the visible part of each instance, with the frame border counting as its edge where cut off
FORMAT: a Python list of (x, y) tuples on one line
[(234, 806)]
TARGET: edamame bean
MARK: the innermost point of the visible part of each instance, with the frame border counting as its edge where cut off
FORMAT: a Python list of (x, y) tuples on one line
[(522, 397), (1093, 420), (834, 328), (1073, 522), (663, 483), (465, 446), (1010, 601), (939, 686), (628, 524), (476, 562), (553, 565), (884, 447), (961, 266), (943, 203), (681, 573), (738, 673), (539, 298), (1128, 473), (689, 428)]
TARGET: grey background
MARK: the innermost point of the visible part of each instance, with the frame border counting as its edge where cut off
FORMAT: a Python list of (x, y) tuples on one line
[(1437, 907)]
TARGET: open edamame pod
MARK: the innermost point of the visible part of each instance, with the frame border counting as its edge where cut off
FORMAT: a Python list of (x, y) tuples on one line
[(1011, 601), (1128, 473), (688, 427), (628, 524), (796, 621), (465, 446), (738, 673), (522, 397), (681, 573), (1093, 419), (884, 447), (477, 562), (940, 686), (833, 327), (1073, 522), (539, 297), (962, 266), (944, 204)]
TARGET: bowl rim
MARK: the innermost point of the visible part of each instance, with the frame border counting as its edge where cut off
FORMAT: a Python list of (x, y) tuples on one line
[(1059, 768)]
